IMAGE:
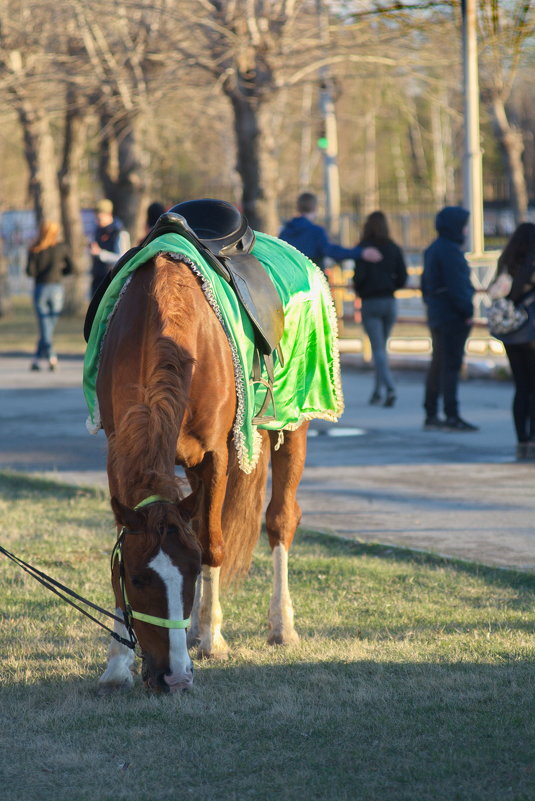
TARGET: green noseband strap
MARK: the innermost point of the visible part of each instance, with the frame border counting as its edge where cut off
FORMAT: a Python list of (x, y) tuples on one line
[(161, 621)]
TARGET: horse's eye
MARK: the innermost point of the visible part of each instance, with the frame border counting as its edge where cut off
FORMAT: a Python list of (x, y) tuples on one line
[(138, 582)]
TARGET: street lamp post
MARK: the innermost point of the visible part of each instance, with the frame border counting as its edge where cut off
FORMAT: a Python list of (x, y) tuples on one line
[(329, 144), (472, 172)]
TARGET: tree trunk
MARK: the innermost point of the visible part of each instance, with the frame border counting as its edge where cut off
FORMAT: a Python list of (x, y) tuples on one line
[(247, 155), (439, 160), (512, 142), (371, 184), (306, 139), (417, 145), (69, 176), (5, 297), (399, 169), (256, 162), (123, 168), (41, 158)]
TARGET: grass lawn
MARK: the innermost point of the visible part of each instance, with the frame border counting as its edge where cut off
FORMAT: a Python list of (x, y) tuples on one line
[(18, 330), (413, 680)]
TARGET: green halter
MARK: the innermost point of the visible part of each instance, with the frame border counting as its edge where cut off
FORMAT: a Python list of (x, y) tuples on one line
[(117, 554)]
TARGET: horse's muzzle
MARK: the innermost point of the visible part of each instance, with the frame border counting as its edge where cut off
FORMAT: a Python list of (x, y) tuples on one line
[(169, 683), (184, 681)]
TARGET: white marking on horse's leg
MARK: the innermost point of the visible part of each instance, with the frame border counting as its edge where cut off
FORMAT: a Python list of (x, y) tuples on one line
[(180, 665), (118, 671), (194, 629), (211, 641), (281, 613)]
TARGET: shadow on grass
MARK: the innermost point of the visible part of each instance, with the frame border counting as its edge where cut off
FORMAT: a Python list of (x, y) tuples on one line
[(325, 731), (19, 486)]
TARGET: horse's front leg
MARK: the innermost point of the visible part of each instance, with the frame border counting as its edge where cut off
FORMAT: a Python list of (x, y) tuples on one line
[(207, 615), (282, 518), (119, 670)]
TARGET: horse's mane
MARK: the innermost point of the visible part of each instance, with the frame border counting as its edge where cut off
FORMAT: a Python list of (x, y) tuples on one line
[(143, 444)]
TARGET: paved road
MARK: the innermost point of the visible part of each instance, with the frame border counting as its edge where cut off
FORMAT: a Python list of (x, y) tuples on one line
[(376, 476)]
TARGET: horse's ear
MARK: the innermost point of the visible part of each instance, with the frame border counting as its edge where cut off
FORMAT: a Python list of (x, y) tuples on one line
[(124, 516)]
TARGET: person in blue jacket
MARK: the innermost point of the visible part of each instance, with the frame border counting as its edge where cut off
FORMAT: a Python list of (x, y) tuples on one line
[(447, 292), (312, 240)]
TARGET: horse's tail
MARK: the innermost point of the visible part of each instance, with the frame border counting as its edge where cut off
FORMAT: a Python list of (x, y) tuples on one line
[(242, 514)]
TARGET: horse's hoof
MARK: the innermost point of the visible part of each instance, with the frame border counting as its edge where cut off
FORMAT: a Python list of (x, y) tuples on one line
[(210, 653), (105, 690), (193, 640), (213, 648), (217, 650), (283, 638)]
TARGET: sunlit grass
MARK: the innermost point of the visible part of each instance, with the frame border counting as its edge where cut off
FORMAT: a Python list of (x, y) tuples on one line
[(413, 679)]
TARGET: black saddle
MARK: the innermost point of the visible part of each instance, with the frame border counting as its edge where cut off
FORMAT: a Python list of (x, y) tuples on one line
[(223, 236)]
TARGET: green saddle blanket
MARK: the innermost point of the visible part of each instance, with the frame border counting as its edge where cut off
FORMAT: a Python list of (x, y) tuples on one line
[(307, 386)]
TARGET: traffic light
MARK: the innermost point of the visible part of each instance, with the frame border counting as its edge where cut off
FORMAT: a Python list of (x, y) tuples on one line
[(322, 140)]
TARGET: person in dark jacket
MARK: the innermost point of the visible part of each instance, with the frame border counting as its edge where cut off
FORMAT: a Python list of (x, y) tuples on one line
[(447, 292), (376, 284), (312, 240), (518, 261), (48, 262), (111, 241), (154, 212)]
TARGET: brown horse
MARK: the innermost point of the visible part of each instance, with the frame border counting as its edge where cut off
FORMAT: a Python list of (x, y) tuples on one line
[(167, 396)]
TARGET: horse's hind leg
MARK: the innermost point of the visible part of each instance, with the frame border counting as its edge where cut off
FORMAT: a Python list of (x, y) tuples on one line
[(282, 518), (210, 641)]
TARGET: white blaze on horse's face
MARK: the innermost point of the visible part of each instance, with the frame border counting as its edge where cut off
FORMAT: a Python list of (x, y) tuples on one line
[(180, 664)]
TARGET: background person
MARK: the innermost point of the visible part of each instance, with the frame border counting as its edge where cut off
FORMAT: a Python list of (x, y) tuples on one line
[(48, 262), (111, 241), (376, 283), (154, 212), (518, 260), (312, 240), (447, 292)]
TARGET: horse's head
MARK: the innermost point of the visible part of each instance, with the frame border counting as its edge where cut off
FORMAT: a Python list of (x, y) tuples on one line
[(154, 574)]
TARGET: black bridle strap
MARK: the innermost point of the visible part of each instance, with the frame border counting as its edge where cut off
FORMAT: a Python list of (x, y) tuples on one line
[(55, 587)]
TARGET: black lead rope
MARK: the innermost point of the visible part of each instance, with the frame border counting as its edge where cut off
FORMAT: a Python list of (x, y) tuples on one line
[(55, 587)]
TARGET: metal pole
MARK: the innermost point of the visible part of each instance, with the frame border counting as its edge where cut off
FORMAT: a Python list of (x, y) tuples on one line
[(331, 178), (472, 172)]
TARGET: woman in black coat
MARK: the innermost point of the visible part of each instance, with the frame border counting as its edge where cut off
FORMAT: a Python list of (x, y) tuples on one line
[(518, 261), (376, 283)]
